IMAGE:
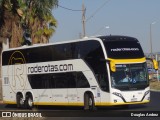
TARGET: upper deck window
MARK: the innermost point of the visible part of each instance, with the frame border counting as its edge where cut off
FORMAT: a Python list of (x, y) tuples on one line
[(118, 47)]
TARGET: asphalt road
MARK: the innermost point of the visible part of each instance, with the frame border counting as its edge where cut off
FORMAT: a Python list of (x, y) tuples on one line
[(49, 111)]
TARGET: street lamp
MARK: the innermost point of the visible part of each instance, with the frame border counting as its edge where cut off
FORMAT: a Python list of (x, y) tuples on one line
[(151, 46), (106, 27), (151, 38)]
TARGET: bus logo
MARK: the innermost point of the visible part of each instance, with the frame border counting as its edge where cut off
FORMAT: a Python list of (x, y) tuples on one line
[(17, 71), (6, 114)]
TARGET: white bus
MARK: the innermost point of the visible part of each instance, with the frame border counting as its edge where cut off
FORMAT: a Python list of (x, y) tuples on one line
[(90, 72)]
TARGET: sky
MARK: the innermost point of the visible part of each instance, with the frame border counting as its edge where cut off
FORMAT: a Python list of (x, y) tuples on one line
[(117, 17)]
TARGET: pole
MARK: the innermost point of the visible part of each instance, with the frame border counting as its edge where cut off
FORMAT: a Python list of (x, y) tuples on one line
[(83, 20), (158, 68), (151, 39)]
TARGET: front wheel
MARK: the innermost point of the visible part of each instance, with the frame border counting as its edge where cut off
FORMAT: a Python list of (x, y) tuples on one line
[(29, 102), (89, 102)]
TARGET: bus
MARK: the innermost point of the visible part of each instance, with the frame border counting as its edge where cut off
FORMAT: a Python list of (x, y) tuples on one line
[(89, 72)]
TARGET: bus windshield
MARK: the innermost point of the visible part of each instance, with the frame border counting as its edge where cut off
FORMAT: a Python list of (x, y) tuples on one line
[(130, 76), (122, 48)]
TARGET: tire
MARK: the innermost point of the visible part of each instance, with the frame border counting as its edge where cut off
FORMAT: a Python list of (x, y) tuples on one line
[(29, 102), (89, 102), (20, 102)]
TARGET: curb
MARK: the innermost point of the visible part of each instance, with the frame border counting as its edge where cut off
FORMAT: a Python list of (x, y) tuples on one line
[(155, 90)]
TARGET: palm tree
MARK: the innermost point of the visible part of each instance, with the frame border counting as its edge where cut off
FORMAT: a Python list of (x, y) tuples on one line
[(9, 22), (39, 19), (33, 16)]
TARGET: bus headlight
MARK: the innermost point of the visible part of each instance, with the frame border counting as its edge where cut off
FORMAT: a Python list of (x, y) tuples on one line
[(119, 95), (147, 92)]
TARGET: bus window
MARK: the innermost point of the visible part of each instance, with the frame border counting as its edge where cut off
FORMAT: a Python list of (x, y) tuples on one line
[(82, 82), (71, 77)]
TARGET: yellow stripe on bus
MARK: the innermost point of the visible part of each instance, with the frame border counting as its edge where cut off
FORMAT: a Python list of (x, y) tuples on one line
[(120, 103), (81, 103), (9, 102), (139, 60), (59, 103)]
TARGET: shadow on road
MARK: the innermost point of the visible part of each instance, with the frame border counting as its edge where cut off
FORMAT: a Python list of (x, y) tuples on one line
[(57, 108)]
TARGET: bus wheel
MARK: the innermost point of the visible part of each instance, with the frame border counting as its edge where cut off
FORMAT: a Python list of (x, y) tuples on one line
[(20, 102), (89, 102), (29, 102)]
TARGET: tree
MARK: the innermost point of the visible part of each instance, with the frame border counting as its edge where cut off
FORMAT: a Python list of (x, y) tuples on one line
[(38, 18), (9, 23), (31, 16)]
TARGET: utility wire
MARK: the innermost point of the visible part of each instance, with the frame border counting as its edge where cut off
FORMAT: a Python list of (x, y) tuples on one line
[(97, 10), (68, 8)]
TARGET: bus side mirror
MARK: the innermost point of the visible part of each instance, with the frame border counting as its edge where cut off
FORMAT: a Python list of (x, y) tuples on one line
[(155, 64), (113, 66)]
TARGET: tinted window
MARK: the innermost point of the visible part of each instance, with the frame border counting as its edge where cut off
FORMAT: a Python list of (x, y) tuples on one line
[(82, 81), (43, 53), (59, 52), (77, 50), (58, 80), (123, 48), (94, 57), (71, 77), (45, 81), (39, 54)]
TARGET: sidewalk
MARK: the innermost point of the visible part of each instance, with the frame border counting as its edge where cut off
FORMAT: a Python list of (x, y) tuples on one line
[(155, 90)]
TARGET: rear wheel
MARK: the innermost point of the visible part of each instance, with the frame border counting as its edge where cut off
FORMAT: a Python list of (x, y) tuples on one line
[(29, 102), (89, 102), (20, 101)]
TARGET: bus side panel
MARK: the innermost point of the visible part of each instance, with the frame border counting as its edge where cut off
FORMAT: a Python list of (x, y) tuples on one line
[(14, 80), (8, 93), (105, 99)]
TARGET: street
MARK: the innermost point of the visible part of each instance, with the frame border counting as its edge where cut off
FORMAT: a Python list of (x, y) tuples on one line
[(50, 111)]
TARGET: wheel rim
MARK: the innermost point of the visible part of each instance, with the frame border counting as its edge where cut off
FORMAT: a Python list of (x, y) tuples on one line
[(21, 101), (30, 102), (90, 102)]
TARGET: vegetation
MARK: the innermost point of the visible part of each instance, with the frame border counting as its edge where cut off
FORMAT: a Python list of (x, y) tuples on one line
[(26, 16), (31, 16), (155, 84)]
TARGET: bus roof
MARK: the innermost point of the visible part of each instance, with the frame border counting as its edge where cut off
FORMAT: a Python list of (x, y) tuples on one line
[(54, 43), (98, 38), (117, 38)]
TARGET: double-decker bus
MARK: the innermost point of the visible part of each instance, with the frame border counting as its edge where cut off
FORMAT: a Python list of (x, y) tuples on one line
[(89, 72)]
